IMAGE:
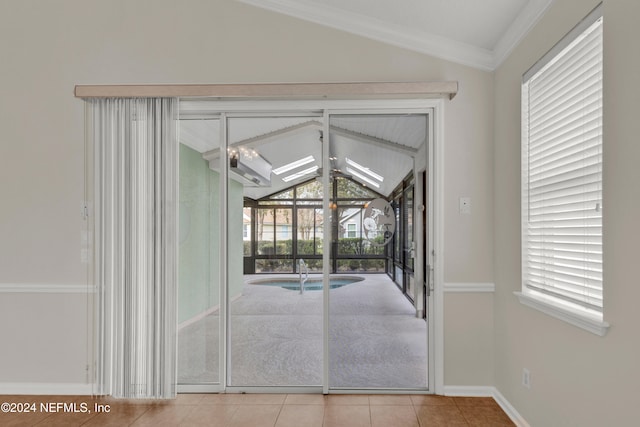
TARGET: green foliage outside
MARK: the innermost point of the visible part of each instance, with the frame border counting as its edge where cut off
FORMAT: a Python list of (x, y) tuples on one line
[(360, 246), (309, 218), (346, 246), (360, 265), (285, 247)]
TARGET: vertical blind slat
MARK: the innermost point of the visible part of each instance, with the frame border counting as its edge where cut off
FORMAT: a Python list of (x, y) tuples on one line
[(137, 188)]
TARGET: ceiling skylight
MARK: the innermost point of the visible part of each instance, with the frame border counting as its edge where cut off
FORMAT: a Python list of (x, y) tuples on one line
[(300, 174), (293, 165), (362, 177), (364, 170)]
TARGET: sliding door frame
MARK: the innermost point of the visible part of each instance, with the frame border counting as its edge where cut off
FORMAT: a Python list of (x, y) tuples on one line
[(434, 162)]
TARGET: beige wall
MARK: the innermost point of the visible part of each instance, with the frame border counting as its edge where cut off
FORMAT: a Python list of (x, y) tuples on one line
[(468, 332), (578, 379), (47, 47)]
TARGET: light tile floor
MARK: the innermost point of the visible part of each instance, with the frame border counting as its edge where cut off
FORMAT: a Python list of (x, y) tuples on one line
[(257, 410)]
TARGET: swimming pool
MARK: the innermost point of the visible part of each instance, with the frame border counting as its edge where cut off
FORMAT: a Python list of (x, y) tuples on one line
[(315, 284)]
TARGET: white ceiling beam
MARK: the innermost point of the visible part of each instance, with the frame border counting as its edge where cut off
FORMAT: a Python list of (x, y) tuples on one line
[(259, 140), (383, 143), (256, 141)]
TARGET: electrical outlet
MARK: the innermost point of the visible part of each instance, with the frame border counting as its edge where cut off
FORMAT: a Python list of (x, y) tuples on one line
[(526, 378)]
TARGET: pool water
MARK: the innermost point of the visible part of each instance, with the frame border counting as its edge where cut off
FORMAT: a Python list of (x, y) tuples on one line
[(310, 285)]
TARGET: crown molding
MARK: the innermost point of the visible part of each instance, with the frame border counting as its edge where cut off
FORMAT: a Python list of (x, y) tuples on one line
[(413, 39), (385, 32), (519, 28)]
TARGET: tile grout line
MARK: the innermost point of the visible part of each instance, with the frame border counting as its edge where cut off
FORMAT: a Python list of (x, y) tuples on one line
[(275, 423), (461, 412), (415, 412)]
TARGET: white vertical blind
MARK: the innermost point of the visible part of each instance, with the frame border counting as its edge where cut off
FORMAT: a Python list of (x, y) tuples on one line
[(136, 160), (562, 172)]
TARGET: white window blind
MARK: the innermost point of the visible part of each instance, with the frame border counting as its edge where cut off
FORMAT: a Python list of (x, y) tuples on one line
[(562, 172)]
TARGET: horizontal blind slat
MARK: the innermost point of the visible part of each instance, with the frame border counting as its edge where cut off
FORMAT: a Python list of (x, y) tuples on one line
[(571, 92), (562, 174), (581, 52), (575, 190), (555, 201), (566, 285), (573, 272), (582, 75), (544, 259), (562, 166), (568, 180), (585, 129), (588, 301), (580, 240)]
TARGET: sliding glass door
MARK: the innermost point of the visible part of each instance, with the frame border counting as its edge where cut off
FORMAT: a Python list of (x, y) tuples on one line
[(291, 286), (200, 239), (376, 340), (274, 246)]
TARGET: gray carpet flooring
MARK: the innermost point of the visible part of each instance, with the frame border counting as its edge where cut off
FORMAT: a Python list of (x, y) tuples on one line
[(276, 339)]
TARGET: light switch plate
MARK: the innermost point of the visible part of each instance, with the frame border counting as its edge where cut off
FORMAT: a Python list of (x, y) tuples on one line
[(465, 205)]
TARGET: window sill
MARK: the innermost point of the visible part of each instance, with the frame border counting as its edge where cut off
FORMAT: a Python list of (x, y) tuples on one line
[(587, 323)]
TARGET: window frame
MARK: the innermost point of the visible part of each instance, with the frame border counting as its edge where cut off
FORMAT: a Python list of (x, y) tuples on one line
[(352, 230), (590, 319)]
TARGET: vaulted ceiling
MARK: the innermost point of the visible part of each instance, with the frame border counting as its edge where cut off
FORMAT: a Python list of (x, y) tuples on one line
[(375, 150), (478, 33)]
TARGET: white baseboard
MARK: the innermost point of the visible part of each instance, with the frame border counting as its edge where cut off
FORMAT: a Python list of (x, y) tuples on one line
[(509, 409), (469, 391), (487, 391), (79, 389)]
